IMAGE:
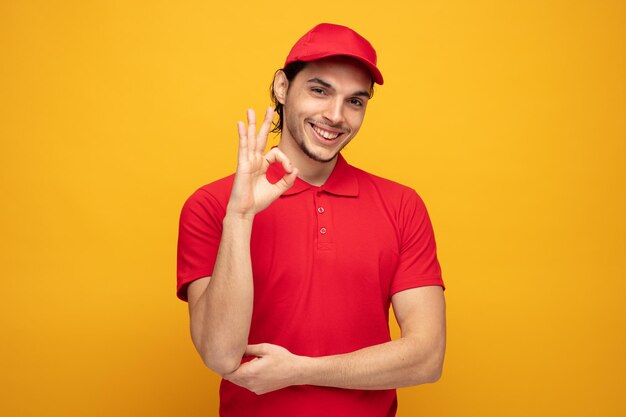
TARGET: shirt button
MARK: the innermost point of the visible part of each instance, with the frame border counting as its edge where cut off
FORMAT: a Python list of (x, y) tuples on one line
[(323, 230), (320, 210)]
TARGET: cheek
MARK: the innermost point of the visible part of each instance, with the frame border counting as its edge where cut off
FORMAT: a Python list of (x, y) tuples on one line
[(356, 120), (306, 105)]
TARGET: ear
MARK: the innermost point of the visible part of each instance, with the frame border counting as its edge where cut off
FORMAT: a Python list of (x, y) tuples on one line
[(281, 84)]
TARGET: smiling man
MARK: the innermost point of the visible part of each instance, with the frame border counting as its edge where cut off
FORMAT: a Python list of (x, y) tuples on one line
[(291, 264)]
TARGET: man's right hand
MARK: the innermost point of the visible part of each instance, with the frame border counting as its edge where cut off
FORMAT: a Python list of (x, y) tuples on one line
[(251, 191)]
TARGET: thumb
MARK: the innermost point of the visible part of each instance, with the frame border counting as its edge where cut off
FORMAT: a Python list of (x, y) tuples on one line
[(287, 181)]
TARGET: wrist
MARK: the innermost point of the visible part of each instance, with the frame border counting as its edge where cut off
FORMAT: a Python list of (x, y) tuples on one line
[(305, 371), (237, 224), (235, 217)]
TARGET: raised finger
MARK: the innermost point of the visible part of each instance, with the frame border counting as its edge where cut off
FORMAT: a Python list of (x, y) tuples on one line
[(243, 141), (252, 145), (265, 127)]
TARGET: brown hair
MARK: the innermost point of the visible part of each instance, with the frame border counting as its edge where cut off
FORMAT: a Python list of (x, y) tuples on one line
[(291, 70)]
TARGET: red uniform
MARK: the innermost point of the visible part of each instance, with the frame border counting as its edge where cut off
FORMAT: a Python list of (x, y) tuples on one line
[(326, 261)]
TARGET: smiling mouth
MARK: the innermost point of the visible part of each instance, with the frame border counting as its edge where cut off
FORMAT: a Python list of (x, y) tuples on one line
[(326, 134)]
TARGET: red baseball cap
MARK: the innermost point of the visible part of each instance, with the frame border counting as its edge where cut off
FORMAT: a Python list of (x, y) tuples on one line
[(327, 39)]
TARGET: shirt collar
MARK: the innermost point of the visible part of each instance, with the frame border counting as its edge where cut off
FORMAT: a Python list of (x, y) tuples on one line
[(342, 181)]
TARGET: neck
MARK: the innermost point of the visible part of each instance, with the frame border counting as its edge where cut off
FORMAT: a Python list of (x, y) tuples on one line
[(314, 172)]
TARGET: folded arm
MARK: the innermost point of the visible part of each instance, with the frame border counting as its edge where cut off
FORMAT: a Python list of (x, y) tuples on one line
[(415, 358)]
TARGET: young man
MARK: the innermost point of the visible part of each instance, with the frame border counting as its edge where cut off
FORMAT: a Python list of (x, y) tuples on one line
[(290, 265)]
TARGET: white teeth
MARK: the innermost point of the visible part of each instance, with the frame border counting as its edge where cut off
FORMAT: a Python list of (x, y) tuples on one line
[(324, 133)]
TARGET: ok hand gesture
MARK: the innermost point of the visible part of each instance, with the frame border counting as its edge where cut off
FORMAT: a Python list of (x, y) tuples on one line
[(251, 191)]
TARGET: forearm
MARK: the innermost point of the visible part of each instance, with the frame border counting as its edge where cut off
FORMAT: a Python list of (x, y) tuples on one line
[(220, 319), (221, 309), (415, 358), (399, 363)]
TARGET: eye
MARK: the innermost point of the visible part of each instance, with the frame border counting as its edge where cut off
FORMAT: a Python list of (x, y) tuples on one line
[(356, 102), (318, 90)]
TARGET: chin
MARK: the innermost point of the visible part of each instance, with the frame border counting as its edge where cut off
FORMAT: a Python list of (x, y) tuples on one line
[(316, 157), (323, 155)]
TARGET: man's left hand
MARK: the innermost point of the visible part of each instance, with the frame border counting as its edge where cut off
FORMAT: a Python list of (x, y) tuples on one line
[(273, 368)]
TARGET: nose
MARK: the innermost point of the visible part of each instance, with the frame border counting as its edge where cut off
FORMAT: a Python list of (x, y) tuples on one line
[(334, 111)]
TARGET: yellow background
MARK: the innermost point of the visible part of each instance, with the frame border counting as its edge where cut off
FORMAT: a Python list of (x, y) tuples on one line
[(509, 118)]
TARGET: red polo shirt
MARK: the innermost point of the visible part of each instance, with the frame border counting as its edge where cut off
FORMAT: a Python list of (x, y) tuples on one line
[(326, 261)]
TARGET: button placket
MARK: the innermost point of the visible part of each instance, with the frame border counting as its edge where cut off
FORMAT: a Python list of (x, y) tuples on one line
[(324, 228)]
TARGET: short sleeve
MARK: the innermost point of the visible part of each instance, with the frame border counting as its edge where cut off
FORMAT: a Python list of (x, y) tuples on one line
[(199, 234), (418, 265)]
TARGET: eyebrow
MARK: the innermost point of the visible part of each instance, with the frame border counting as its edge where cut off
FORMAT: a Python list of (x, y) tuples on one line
[(362, 93)]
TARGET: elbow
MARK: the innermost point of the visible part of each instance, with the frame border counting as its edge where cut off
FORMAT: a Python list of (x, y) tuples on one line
[(221, 365), (426, 374), (434, 374), (434, 368), (218, 358), (434, 361), (430, 370)]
